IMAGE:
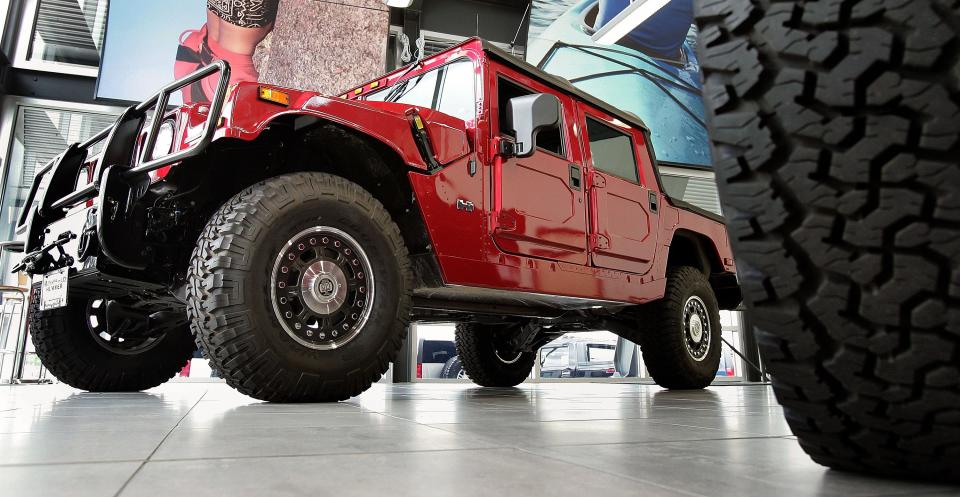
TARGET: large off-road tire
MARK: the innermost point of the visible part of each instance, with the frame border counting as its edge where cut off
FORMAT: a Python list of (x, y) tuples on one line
[(835, 128), (477, 349), (300, 289), (74, 349), (679, 335), (453, 369)]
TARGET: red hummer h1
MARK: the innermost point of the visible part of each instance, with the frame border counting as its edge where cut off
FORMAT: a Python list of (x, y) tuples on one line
[(293, 237)]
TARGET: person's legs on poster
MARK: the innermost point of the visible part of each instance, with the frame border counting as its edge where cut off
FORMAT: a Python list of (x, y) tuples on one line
[(233, 30)]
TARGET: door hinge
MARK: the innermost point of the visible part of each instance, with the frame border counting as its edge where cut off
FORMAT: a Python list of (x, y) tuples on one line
[(598, 180), (506, 222), (599, 242)]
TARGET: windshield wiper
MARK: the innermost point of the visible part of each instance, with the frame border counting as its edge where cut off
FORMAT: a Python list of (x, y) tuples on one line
[(396, 91)]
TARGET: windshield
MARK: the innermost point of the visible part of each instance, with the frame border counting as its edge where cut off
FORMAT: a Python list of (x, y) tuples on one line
[(450, 89)]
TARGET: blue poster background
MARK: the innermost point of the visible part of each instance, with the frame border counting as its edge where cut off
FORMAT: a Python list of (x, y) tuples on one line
[(653, 72)]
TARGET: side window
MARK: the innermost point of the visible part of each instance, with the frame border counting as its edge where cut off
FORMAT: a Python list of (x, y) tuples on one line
[(550, 140), (557, 357), (457, 94), (612, 151)]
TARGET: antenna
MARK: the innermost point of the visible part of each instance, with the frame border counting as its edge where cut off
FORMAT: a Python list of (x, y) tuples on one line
[(519, 28), (478, 24)]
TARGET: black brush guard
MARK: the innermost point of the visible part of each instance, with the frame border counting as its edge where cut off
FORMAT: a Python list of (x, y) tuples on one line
[(122, 178)]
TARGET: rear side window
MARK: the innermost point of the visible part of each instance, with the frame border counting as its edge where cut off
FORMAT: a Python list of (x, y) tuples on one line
[(612, 151), (550, 140), (600, 352)]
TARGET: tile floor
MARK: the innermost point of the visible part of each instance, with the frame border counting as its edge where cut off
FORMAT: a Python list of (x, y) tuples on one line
[(583, 440)]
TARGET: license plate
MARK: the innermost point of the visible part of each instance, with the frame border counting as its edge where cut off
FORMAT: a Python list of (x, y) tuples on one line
[(53, 291)]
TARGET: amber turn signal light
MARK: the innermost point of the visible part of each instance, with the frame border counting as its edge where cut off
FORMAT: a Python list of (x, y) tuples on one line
[(275, 96)]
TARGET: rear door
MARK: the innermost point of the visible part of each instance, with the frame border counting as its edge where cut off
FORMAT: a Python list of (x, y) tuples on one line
[(623, 209), (543, 212)]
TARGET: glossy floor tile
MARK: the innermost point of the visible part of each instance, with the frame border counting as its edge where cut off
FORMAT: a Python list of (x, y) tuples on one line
[(548, 439)]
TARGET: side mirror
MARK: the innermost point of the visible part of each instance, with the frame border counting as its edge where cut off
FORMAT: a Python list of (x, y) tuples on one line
[(529, 115)]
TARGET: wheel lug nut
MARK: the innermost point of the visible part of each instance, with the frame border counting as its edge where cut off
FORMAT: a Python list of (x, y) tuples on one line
[(288, 314), (309, 333), (313, 241), (284, 269), (334, 333), (301, 246)]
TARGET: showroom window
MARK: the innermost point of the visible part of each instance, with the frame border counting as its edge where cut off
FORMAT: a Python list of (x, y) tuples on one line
[(587, 355), (62, 35), (434, 43), (38, 135)]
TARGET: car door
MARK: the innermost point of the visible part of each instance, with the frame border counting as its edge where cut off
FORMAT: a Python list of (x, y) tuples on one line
[(554, 361), (623, 210), (543, 210)]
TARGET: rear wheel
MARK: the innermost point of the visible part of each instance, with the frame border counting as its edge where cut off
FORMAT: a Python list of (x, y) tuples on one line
[(453, 369), (835, 129), (317, 306), (487, 358), (106, 345), (679, 335)]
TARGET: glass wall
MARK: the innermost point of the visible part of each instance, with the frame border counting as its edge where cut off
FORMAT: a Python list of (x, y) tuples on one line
[(39, 135), (595, 355), (62, 32)]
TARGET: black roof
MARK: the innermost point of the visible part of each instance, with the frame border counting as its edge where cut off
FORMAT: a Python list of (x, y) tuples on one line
[(559, 83)]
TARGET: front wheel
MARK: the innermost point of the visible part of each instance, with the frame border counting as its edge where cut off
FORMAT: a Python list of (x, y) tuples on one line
[(300, 289), (105, 345), (486, 357), (679, 334)]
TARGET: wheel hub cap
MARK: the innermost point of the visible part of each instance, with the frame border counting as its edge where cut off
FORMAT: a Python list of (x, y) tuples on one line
[(322, 288), (696, 328)]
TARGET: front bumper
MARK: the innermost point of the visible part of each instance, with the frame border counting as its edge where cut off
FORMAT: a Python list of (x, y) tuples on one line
[(62, 221)]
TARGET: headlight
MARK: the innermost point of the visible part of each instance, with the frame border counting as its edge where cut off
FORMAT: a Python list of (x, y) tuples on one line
[(165, 137)]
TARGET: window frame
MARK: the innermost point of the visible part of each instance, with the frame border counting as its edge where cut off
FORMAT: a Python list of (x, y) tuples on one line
[(438, 86), (21, 54), (10, 108), (500, 76), (587, 117)]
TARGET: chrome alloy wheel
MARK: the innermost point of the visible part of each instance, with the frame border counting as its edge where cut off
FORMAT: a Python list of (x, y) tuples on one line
[(696, 328), (322, 288)]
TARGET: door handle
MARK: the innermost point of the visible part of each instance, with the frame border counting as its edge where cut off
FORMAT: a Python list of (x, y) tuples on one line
[(576, 177), (654, 206)]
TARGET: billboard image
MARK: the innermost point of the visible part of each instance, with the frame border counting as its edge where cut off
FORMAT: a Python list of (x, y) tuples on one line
[(304, 44), (652, 72)]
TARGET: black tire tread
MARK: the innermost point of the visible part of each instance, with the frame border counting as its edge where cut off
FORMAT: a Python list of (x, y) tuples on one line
[(55, 338), (477, 356), (664, 353), (216, 310), (835, 128)]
